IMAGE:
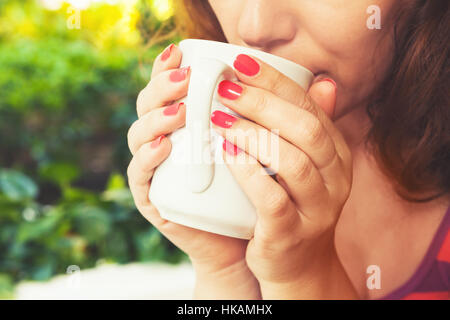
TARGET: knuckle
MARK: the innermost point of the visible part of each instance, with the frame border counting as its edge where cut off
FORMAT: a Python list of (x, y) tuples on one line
[(140, 95), (263, 249), (277, 82), (131, 136), (144, 158), (305, 103), (130, 171), (300, 167), (250, 172), (131, 130), (141, 98), (345, 185), (157, 66), (277, 202), (261, 101), (179, 91), (315, 132)]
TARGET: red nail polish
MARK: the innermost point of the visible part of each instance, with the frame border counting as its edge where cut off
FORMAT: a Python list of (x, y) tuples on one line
[(157, 142), (222, 119), (230, 148), (229, 90), (246, 65), (166, 54), (179, 75), (332, 81), (172, 109)]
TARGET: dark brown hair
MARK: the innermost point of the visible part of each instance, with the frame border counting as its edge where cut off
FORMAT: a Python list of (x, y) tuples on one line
[(410, 111)]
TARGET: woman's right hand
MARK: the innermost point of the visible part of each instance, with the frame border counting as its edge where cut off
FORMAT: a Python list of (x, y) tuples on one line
[(219, 261)]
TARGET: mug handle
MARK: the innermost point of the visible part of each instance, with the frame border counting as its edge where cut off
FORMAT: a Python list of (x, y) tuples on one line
[(205, 74)]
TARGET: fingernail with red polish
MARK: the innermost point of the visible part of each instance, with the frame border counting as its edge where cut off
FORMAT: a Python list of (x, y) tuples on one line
[(222, 119), (229, 90), (230, 148), (156, 142), (166, 54), (332, 81), (179, 75), (172, 109), (246, 65)]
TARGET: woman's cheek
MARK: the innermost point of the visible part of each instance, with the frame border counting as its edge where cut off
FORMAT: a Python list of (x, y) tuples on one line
[(360, 61)]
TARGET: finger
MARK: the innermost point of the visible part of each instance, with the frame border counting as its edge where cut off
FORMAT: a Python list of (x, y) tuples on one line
[(296, 125), (140, 172), (302, 179), (166, 87), (142, 166), (169, 58), (160, 121), (256, 73), (324, 94), (275, 210)]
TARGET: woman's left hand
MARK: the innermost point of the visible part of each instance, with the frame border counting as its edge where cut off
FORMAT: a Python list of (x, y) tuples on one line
[(288, 130)]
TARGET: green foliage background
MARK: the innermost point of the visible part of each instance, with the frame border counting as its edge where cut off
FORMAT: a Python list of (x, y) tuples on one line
[(65, 108)]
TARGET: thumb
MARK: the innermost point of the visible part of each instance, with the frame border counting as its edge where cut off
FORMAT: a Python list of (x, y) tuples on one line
[(324, 94)]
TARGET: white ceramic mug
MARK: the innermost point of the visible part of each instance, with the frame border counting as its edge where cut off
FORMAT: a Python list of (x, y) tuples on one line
[(194, 186)]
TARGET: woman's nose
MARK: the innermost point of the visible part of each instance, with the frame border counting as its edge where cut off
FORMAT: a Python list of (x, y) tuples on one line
[(264, 23)]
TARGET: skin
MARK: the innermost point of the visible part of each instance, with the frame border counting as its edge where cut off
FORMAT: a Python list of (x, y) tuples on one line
[(331, 212)]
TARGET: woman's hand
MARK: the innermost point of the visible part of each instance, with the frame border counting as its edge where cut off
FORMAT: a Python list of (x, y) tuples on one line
[(219, 261), (292, 253)]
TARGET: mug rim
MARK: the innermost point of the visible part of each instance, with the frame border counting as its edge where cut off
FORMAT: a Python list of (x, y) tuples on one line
[(259, 52)]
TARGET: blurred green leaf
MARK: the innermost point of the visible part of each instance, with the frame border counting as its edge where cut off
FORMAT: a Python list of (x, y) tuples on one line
[(39, 228), (76, 194), (148, 245), (115, 182), (121, 196), (92, 222), (117, 247), (60, 172), (17, 186), (43, 272)]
